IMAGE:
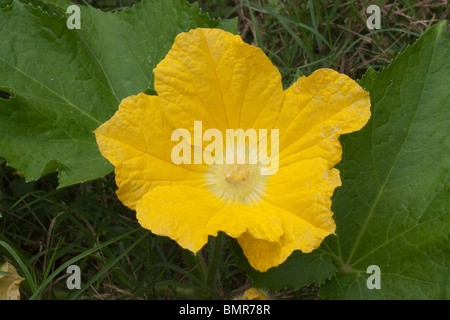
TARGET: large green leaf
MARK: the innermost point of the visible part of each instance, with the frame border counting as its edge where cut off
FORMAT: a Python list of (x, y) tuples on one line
[(393, 208), (297, 271), (62, 84)]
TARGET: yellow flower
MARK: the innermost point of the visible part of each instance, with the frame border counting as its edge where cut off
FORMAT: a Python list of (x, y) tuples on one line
[(9, 283), (212, 78), (253, 294)]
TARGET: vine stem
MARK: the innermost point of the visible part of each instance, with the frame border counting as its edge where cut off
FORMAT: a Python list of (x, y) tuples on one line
[(214, 260)]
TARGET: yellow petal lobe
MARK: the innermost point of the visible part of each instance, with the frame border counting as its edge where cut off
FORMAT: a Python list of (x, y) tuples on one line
[(137, 141), (213, 76), (317, 109)]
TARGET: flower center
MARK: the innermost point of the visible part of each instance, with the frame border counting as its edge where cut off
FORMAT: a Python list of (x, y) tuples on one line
[(236, 172), (241, 183)]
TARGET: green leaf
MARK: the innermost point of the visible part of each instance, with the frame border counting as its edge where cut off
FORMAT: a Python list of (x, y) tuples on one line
[(59, 85), (297, 271), (393, 208), (50, 8)]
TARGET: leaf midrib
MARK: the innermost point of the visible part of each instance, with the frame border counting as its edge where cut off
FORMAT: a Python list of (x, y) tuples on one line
[(381, 190)]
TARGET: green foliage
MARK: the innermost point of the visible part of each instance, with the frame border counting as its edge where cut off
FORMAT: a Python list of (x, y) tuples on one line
[(61, 84), (393, 208)]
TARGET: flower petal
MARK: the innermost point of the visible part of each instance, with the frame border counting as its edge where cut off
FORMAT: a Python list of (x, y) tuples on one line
[(189, 215), (301, 191), (253, 294), (263, 255), (10, 283), (213, 76), (316, 111), (305, 189), (137, 141)]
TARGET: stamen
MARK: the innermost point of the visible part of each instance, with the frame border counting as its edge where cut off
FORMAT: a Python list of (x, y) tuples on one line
[(236, 172)]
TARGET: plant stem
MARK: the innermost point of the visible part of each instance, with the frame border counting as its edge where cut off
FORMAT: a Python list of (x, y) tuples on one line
[(214, 261)]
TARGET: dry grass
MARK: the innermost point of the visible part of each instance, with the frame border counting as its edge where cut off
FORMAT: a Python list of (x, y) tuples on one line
[(351, 49)]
